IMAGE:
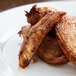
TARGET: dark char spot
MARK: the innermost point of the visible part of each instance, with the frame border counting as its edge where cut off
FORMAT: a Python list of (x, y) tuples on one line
[(59, 55), (25, 62), (25, 42), (21, 53), (42, 30), (45, 12)]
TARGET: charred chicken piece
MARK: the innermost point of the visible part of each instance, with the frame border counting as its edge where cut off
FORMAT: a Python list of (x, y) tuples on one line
[(50, 51), (66, 36), (36, 13), (35, 35)]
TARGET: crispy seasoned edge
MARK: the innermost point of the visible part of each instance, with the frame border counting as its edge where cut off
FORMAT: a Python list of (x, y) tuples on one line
[(48, 21), (53, 60), (36, 13), (39, 10)]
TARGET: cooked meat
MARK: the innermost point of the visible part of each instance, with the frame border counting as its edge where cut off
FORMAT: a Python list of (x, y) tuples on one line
[(36, 13), (50, 51), (24, 31), (35, 36), (66, 36)]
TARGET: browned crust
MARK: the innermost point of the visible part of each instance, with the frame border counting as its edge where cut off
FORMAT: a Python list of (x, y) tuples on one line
[(35, 36), (66, 36), (50, 51), (36, 13)]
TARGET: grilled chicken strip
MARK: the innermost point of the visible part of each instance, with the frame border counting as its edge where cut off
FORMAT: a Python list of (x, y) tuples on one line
[(66, 36), (36, 13), (35, 36), (49, 50)]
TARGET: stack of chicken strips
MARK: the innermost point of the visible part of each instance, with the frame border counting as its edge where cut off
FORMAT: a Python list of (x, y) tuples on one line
[(51, 36)]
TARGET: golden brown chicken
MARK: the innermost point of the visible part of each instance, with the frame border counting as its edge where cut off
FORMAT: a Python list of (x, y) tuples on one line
[(36, 13), (49, 50), (66, 36), (35, 35)]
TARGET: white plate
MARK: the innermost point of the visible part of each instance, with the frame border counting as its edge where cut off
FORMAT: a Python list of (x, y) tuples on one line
[(15, 18)]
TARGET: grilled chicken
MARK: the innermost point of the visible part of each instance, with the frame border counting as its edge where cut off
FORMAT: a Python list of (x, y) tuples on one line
[(49, 50), (66, 36), (35, 35), (36, 13)]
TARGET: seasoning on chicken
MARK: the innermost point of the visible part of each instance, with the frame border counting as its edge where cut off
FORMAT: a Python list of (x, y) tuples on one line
[(35, 36)]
